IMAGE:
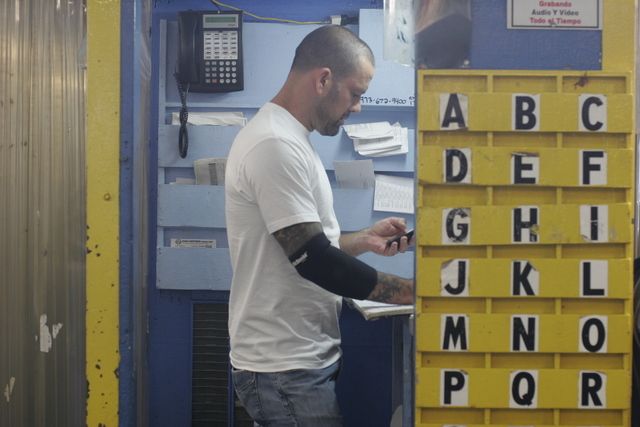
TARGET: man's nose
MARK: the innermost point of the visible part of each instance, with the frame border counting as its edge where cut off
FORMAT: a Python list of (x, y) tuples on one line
[(356, 108)]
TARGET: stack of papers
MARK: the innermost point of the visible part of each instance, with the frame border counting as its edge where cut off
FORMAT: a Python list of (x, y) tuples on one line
[(372, 309), (378, 139), (220, 118)]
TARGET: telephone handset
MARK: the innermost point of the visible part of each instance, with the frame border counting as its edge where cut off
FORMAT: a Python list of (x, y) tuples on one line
[(210, 51), (209, 59)]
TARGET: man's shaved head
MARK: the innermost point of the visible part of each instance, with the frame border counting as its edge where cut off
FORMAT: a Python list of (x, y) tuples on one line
[(333, 47)]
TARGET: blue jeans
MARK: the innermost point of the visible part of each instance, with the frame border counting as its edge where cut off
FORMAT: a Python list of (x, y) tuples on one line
[(300, 397)]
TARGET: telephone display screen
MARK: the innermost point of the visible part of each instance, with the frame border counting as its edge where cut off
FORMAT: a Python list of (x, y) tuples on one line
[(220, 21)]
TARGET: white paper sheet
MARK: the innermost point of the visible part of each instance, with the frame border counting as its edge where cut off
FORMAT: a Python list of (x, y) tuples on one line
[(210, 171), (378, 139), (376, 144), (372, 309), (369, 130), (354, 174), (193, 243), (398, 144), (220, 118), (393, 194)]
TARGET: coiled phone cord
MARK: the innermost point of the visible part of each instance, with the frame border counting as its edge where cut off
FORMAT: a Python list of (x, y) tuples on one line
[(183, 135)]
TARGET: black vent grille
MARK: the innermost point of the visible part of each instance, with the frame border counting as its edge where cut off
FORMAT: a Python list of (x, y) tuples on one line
[(210, 387)]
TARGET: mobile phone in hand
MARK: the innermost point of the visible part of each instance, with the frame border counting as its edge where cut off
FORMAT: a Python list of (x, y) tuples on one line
[(408, 234)]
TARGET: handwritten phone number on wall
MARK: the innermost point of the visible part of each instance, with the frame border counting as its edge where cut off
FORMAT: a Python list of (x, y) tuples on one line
[(369, 100)]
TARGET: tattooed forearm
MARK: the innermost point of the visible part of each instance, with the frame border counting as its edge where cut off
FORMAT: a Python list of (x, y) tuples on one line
[(294, 237), (354, 243), (392, 289)]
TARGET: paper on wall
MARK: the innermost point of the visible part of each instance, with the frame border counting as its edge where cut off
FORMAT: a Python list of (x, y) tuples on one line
[(397, 144), (210, 171), (193, 243), (354, 174), (369, 130), (378, 139), (393, 194), (220, 118)]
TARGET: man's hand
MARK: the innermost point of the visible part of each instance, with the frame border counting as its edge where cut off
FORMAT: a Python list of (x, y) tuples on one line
[(375, 238), (384, 230)]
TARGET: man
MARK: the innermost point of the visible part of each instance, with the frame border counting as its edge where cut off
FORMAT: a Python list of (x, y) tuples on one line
[(291, 264)]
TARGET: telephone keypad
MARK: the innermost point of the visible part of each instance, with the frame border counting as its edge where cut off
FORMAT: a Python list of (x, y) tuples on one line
[(227, 71), (210, 51), (221, 57)]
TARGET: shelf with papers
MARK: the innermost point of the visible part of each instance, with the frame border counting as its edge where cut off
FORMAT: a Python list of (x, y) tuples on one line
[(191, 211), (215, 141), (203, 206), (366, 106), (340, 147), (204, 141)]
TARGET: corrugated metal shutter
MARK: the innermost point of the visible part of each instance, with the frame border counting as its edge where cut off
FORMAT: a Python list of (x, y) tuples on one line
[(43, 229), (211, 386)]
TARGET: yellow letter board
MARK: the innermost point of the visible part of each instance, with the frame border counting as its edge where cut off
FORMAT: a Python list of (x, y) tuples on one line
[(525, 241)]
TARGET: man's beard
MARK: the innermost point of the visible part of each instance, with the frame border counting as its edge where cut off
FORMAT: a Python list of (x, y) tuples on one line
[(330, 127)]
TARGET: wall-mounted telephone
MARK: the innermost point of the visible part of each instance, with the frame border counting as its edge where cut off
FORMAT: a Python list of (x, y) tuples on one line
[(210, 51)]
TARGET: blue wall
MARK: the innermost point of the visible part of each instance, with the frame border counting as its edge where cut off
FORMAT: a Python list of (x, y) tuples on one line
[(285, 9), (493, 46)]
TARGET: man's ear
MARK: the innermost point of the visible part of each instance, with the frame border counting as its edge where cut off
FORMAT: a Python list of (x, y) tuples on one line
[(323, 80)]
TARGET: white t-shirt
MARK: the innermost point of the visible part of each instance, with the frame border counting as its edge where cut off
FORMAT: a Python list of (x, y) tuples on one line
[(274, 178)]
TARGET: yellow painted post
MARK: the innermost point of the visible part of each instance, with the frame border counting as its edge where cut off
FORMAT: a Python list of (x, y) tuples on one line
[(525, 231), (102, 156)]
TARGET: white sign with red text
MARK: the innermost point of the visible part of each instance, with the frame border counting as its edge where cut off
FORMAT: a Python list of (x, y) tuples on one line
[(554, 14)]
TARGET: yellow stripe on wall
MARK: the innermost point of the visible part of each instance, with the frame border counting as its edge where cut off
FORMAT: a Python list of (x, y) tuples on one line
[(103, 146)]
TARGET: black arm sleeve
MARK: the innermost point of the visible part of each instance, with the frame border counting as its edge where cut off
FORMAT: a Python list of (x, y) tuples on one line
[(334, 270)]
